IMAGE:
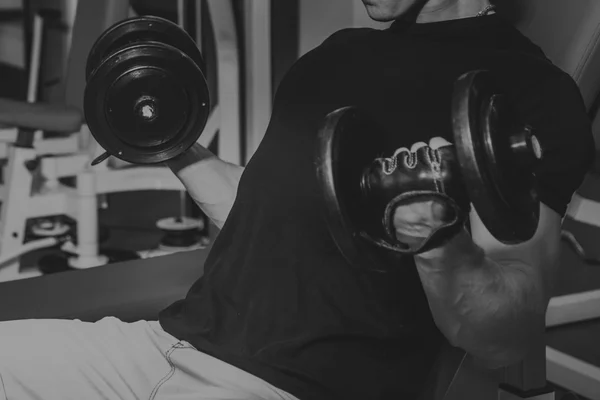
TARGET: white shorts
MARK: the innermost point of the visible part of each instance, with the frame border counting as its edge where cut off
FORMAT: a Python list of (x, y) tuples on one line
[(110, 359)]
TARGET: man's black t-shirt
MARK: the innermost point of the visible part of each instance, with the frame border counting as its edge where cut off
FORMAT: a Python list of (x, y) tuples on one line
[(277, 299)]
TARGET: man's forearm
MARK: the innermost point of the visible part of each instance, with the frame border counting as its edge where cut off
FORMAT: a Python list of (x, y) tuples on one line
[(492, 309), (210, 181)]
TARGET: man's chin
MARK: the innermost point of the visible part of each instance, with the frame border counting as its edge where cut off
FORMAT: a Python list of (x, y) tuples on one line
[(378, 16), (382, 19)]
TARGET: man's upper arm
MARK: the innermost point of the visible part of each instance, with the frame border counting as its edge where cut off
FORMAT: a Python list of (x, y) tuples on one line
[(560, 121)]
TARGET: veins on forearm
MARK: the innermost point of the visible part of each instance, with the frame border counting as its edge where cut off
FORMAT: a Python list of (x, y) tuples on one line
[(493, 291), (479, 300)]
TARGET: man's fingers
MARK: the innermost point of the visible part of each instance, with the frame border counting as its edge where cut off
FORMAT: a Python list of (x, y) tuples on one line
[(440, 212), (419, 231), (422, 215), (410, 214), (410, 240)]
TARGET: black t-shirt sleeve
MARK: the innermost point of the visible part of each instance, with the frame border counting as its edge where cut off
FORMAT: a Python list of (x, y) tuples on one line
[(560, 121)]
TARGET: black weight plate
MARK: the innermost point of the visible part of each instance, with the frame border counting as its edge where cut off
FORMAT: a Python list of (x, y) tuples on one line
[(137, 30), (118, 92), (501, 186), (146, 108), (347, 144)]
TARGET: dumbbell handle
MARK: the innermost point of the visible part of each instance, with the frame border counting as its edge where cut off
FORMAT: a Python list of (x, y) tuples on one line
[(101, 158), (526, 146)]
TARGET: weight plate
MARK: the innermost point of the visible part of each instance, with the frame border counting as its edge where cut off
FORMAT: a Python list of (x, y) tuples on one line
[(175, 224), (347, 144), (146, 103), (496, 156), (49, 228), (137, 30)]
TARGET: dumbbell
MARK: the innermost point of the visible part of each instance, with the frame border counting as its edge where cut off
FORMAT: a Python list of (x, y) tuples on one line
[(496, 155), (146, 98)]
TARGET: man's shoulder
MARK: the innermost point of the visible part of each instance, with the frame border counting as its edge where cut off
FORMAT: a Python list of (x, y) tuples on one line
[(532, 59), (525, 64), (544, 75)]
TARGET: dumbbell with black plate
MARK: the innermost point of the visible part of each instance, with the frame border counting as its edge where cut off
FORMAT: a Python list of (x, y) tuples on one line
[(146, 99), (496, 154)]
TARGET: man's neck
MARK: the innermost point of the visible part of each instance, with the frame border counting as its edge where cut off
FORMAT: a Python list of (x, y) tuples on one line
[(445, 10)]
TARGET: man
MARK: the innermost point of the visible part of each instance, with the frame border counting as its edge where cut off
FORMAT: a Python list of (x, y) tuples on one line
[(279, 314)]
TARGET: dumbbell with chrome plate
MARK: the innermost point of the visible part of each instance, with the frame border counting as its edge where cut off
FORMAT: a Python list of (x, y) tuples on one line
[(493, 154), (146, 99)]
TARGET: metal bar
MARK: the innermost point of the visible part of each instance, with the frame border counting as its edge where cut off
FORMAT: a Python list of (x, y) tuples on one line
[(573, 374), (228, 72), (572, 308), (584, 210), (36, 54), (529, 374), (257, 14), (91, 19)]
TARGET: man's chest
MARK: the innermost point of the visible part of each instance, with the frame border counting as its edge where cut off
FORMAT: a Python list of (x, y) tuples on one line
[(409, 93)]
